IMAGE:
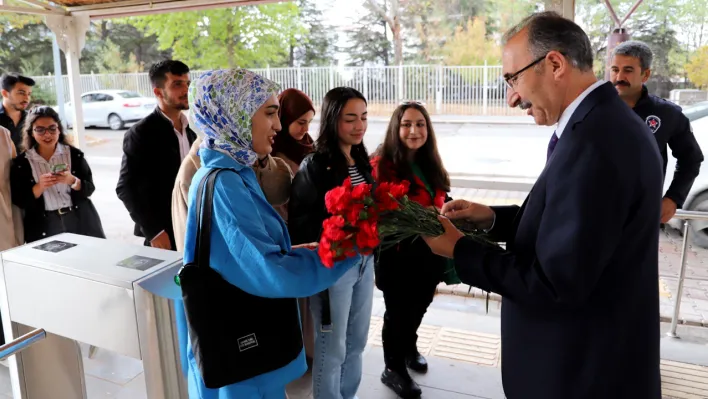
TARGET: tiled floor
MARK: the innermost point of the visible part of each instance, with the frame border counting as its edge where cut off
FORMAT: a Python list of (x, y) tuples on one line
[(462, 346)]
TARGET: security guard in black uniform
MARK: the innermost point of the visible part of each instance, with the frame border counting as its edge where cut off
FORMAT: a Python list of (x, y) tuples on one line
[(631, 68)]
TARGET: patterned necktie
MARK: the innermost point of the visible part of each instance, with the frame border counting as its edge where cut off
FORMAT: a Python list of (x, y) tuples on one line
[(551, 146)]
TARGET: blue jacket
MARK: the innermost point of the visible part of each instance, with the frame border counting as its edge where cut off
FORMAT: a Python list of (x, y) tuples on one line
[(248, 240)]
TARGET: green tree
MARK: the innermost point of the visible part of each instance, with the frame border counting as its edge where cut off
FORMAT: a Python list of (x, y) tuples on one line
[(133, 42), (26, 48), (504, 14), (370, 41), (655, 23), (9, 21), (693, 15), (389, 13), (248, 36), (696, 69), (471, 46), (112, 61), (428, 24), (314, 42), (25, 43)]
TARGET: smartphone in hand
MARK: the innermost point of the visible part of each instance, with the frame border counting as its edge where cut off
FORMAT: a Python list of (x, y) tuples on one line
[(58, 168), (161, 240)]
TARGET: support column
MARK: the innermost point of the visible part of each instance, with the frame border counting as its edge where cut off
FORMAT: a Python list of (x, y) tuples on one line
[(70, 32), (618, 35), (58, 81)]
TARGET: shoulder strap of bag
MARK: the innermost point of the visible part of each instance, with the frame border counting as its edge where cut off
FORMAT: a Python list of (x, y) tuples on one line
[(203, 244)]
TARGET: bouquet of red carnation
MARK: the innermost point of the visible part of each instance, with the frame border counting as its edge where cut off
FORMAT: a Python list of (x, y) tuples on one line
[(355, 212), (367, 216)]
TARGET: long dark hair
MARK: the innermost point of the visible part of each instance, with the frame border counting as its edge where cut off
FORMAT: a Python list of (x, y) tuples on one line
[(328, 141), (394, 162), (35, 113)]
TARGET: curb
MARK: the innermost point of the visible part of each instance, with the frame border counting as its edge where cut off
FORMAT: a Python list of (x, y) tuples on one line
[(92, 141), (466, 291), (470, 121), (487, 182), (683, 322)]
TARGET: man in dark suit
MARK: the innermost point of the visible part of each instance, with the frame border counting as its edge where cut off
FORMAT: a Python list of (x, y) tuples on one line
[(579, 275), (153, 150), (630, 70)]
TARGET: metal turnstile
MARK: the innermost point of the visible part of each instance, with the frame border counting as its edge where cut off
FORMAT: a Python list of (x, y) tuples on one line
[(107, 294)]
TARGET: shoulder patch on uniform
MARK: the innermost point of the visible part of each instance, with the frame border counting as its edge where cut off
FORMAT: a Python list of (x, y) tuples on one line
[(653, 122)]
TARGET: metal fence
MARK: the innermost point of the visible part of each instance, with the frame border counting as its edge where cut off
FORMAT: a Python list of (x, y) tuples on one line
[(451, 90), (688, 217)]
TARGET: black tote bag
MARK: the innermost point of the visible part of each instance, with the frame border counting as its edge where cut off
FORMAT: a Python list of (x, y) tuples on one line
[(235, 335)]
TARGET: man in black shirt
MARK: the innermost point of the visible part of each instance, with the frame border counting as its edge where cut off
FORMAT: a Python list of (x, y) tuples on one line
[(630, 70), (16, 94)]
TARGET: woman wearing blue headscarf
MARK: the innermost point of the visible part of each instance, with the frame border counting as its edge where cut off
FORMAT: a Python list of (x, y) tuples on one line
[(237, 111)]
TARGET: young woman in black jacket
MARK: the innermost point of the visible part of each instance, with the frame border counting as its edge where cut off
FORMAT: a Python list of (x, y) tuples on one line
[(342, 313), (409, 273), (52, 182)]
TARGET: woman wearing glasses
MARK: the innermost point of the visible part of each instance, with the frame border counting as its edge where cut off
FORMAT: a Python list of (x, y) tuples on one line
[(51, 181)]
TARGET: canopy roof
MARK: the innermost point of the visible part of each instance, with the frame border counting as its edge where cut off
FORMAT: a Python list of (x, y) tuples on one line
[(99, 9)]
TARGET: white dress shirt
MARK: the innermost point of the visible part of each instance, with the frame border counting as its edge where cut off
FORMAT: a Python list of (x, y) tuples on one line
[(59, 195), (181, 136), (570, 110), (564, 118)]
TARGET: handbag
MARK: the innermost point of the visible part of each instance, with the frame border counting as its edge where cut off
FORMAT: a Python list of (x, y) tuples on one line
[(235, 336)]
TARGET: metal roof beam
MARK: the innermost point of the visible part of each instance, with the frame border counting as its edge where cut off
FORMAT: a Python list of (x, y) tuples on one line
[(115, 4), (43, 5), (164, 7), (30, 11), (126, 8)]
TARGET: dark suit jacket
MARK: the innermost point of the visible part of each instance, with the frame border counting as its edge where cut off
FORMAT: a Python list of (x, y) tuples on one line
[(579, 278), (151, 160)]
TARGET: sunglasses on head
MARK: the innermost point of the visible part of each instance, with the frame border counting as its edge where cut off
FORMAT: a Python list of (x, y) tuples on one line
[(412, 103), (40, 110)]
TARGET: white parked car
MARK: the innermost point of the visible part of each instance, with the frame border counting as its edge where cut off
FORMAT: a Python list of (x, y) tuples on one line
[(697, 199), (112, 108)]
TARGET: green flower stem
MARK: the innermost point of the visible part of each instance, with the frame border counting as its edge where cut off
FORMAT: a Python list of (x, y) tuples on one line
[(412, 220)]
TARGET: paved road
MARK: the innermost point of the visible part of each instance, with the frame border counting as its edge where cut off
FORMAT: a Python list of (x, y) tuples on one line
[(465, 148), (512, 150)]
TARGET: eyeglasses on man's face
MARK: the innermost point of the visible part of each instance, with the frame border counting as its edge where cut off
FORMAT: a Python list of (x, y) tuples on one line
[(41, 130), (512, 79)]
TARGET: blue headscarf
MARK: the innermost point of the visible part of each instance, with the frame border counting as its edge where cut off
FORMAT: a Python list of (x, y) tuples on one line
[(221, 105)]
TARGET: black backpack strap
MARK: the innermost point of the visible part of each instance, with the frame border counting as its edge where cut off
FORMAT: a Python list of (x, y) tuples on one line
[(203, 243)]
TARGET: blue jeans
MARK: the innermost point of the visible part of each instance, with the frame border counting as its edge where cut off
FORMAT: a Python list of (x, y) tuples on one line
[(337, 365)]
